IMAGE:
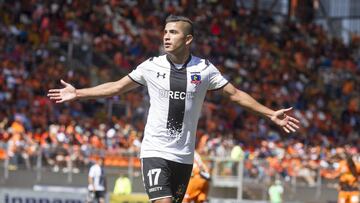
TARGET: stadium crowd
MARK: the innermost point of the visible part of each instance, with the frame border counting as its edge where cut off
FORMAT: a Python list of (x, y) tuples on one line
[(280, 63)]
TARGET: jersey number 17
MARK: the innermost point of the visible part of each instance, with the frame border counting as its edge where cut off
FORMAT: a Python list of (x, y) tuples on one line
[(150, 174)]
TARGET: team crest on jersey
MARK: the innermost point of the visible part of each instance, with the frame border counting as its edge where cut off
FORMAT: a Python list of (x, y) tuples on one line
[(195, 78)]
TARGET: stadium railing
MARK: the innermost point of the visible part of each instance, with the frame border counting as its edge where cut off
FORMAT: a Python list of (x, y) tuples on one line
[(226, 173)]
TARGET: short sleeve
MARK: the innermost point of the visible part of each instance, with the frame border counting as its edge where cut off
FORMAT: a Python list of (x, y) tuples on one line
[(92, 172), (216, 80), (137, 75)]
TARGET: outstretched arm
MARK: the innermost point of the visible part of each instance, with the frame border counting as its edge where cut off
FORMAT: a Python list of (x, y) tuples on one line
[(287, 123), (69, 92)]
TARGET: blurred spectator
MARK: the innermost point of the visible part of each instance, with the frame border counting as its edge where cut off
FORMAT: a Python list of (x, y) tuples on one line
[(276, 191), (237, 155), (61, 157), (122, 185)]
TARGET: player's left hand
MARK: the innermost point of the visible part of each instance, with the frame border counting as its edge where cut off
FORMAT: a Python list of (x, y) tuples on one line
[(287, 123)]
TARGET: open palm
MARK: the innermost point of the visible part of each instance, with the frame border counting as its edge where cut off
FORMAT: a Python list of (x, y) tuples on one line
[(287, 123), (67, 93)]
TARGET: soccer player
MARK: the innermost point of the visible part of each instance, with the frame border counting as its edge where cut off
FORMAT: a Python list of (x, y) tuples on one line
[(198, 188), (177, 83), (348, 173), (97, 182)]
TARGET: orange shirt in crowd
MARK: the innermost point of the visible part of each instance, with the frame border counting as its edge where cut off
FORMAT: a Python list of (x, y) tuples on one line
[(17, 127)]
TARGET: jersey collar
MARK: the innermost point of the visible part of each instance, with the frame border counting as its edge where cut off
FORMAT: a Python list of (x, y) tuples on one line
[(172, 64)]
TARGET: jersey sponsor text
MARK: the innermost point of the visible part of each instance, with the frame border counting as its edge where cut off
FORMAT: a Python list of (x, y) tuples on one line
[(168, 94)]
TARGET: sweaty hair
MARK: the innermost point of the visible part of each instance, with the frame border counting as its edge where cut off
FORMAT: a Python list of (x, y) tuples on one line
[(174, 18)]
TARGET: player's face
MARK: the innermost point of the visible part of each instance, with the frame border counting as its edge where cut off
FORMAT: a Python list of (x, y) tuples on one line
[(175, 40)]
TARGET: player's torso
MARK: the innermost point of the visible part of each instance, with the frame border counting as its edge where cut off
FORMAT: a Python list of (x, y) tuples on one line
[(176, 98), (176, 95)]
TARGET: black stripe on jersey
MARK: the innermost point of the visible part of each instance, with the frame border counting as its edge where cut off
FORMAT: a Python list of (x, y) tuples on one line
[(178, 84)]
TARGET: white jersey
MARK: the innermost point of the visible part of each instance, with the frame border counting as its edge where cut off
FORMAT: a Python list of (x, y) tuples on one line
[(98, 176), (176, 98)]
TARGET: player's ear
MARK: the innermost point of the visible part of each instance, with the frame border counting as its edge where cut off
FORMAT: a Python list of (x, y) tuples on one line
[(189, 39)]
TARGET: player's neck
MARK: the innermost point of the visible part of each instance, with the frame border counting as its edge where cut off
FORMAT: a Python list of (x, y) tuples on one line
[(179, 58)]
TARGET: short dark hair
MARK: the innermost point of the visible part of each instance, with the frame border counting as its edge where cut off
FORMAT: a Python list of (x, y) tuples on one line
[(175, 18)]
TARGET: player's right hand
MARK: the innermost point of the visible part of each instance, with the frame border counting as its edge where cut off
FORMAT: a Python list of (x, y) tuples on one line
[(68, 93)]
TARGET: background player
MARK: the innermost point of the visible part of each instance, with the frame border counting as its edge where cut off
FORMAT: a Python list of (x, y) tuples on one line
[(348, 174), (198, 188), (97, 182)]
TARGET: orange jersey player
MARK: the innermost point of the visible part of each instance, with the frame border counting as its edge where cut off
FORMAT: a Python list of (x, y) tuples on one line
[(348, 173), (198, 188)]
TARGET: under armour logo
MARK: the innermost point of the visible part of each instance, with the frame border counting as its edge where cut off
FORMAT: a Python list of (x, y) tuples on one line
[(158, 75)]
